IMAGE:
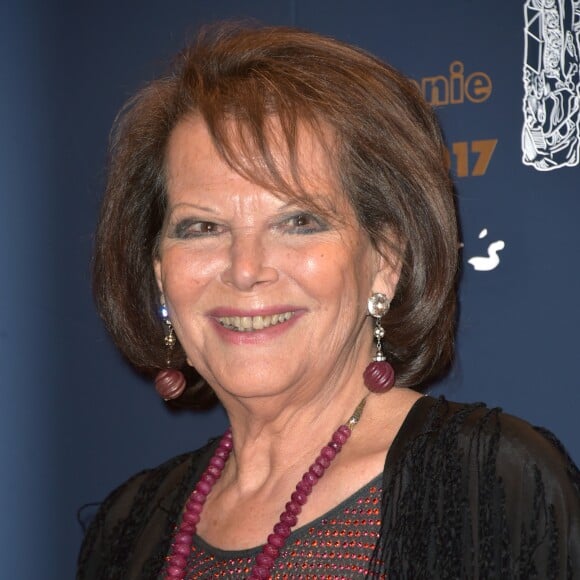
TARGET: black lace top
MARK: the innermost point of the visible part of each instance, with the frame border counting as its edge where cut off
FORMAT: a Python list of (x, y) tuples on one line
[(467, 492)]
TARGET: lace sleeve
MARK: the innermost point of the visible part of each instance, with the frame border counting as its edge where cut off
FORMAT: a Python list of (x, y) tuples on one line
[(131, 533), (470, 492), (541, 485), (106, 537)]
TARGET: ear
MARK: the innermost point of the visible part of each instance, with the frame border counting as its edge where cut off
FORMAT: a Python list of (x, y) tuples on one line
[(158, 278), (390, 262)]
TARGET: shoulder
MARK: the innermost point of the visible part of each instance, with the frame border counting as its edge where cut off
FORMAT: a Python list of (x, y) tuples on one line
[(158, 480), (138, 511), (488, 436), (510, 440), (501, 494)]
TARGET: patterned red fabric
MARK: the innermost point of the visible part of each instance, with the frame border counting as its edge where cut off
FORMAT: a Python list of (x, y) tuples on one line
[(336, 545)]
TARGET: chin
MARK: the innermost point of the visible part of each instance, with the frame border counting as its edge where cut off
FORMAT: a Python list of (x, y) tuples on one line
[(248, 385)]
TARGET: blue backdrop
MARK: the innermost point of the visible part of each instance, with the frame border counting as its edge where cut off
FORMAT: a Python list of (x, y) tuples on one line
[(74, 420)]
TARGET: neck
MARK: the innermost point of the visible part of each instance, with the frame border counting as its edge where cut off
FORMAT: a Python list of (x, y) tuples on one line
[(271, 437)]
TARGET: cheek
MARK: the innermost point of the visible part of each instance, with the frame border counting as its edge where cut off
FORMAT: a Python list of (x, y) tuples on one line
[(337, 271), (183, 274)]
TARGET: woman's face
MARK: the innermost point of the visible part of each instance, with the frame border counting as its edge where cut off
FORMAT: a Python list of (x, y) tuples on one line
[(265, 296)]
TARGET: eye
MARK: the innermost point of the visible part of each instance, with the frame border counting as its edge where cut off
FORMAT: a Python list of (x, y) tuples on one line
[(191, 228), (303, 223)]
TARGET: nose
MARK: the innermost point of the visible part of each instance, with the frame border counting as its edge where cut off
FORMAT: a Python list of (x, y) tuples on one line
[(248, 264)]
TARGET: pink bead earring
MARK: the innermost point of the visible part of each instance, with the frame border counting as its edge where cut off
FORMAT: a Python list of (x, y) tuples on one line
[(169, 383), (379, 376)]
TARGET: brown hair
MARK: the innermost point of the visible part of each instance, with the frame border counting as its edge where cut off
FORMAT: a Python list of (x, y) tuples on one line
[(390, 159)]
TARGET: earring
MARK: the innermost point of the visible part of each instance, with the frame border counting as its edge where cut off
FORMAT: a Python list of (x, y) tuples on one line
[(379, 376), (169, 383)]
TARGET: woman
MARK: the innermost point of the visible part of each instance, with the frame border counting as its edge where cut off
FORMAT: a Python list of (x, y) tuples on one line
[(278, 221)]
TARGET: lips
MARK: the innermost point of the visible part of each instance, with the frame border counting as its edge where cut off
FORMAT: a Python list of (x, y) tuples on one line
[(253, 323)]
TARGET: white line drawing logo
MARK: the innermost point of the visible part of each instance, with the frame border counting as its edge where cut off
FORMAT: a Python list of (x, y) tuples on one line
[(491, 261), (551, 131)]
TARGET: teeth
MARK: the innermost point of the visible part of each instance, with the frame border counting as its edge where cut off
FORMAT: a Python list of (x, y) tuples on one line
[(250, 323)]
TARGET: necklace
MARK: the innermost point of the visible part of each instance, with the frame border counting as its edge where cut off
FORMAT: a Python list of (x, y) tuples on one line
[(265, 560)]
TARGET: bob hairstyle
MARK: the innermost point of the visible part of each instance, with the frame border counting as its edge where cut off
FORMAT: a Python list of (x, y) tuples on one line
[(388, 154)]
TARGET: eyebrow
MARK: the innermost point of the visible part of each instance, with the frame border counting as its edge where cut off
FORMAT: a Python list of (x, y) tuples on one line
[(192, 205), (290, 204)]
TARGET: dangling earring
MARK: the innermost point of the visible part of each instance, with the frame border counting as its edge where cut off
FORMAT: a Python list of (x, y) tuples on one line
[(169, 383), (379, 376)]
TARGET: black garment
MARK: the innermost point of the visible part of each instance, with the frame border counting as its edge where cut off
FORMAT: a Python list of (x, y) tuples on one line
[(468, 492)]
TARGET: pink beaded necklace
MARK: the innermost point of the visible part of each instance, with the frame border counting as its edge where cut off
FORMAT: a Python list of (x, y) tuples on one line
[(181, 545)]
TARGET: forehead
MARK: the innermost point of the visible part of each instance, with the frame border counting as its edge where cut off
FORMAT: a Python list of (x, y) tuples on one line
[(301, 168)]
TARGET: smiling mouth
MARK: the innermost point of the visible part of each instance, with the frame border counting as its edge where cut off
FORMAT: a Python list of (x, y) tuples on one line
[(253, 323)]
